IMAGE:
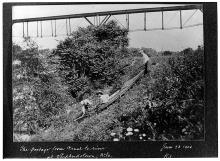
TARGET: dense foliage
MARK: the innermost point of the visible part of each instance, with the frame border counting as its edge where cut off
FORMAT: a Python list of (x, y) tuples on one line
[(165, 104), (173, 109), (90, 57), (38, 95)]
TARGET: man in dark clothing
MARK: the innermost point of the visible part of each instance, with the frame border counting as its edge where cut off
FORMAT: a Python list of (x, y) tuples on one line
[(146, 68), (146, 60)]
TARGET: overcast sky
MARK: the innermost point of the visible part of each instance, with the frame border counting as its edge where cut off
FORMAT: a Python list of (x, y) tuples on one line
[(174, 40)]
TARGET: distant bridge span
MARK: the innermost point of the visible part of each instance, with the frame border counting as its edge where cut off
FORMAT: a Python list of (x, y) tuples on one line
[(108, 14)]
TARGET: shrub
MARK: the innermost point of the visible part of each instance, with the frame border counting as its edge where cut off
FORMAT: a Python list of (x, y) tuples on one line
[(90, 57), (38, 94), (166, 53), (175, 108)]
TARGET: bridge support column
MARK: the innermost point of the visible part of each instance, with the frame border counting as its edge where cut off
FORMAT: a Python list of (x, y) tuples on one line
[(37, 29), (23, 29), (52, 27), (27, 29), (162, 21), (67, 33), (127, 20), (145, 25), (181, 25), (97, 21), (41, 28), (69, 25), (55, 26)]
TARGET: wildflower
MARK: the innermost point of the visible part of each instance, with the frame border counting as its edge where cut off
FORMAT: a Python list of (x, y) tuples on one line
[(28, 107), (141, 138), (129, 129), (16, 62), (115, 139), (136, 130), (144, 134), (19, 76), (129, 133), (113, 134), (16, 110)]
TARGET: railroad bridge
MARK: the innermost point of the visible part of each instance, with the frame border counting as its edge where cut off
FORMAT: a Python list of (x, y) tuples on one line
[(100, 18)]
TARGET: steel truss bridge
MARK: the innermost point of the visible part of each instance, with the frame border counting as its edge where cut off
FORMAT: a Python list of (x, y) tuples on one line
[(107, 14)]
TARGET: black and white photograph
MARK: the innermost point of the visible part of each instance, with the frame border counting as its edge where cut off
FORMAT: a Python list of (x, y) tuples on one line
[(108, 72), (123, 75)]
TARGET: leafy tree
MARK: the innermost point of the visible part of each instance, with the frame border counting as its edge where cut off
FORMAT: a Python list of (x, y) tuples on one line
[(90, 57), (172, 106), (178, 91), (166, 53), (38, 94), (187, 51)]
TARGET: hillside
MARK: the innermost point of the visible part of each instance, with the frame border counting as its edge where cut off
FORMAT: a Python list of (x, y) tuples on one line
[(165, 104)]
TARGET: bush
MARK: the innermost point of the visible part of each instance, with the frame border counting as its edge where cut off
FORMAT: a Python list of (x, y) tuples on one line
[(172, 107), (38, 94), (166, 53), (90, 57)]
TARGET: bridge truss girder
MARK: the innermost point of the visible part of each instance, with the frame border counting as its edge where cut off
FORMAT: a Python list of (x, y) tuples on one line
[(107, 14)]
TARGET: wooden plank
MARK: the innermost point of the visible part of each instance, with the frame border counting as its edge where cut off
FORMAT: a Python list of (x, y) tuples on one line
[(122, 92)]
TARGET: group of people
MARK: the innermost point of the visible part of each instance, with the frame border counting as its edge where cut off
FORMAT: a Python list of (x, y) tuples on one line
[(105, 97)]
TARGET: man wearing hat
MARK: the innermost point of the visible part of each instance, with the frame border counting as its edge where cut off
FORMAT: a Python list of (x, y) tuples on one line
[(104, 97)]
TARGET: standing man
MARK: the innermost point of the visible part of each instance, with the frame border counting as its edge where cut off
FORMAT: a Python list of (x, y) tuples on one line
[(146, 60)]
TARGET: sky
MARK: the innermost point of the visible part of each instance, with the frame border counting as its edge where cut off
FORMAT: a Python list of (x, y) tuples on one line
[(160, 40)]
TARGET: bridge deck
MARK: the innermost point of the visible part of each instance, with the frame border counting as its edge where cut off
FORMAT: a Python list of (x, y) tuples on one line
[(118, 12)]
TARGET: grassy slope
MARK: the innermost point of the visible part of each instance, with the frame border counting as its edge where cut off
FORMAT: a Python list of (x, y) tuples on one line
[(98, 127)]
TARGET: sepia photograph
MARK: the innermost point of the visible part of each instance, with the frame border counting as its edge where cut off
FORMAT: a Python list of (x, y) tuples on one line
[(108, 72)]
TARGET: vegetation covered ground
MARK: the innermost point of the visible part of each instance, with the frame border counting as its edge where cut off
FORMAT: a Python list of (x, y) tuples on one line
[(165, 104)]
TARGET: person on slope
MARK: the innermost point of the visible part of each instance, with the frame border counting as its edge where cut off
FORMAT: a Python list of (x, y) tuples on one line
[(146, 61), (103, 97), (85, 105)]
